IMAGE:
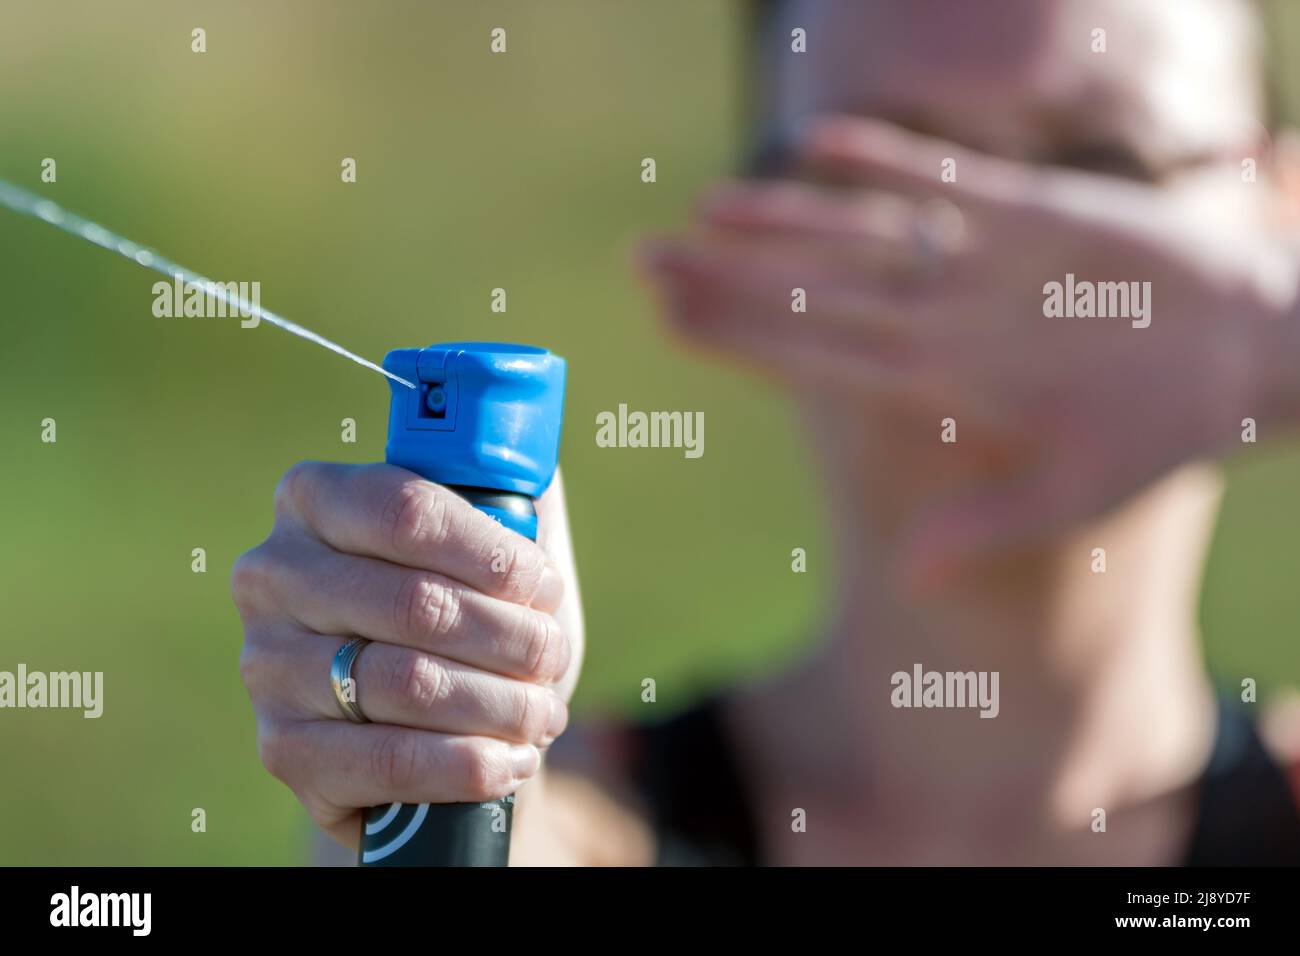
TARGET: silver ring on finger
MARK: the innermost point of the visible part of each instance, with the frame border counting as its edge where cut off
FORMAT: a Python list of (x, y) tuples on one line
[(937, 231), (344, 684)]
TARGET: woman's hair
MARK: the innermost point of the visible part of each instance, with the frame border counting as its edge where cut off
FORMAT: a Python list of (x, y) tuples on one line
[(1276, 24)]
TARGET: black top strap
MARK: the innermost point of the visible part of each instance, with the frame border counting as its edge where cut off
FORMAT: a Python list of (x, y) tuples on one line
[(688, 775), (687, 772), (1247, 814)]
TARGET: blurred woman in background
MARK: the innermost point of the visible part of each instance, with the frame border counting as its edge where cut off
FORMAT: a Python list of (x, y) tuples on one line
[(1065, 155)]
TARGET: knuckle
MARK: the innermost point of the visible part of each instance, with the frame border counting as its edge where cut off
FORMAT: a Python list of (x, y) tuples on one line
[(319, 809), (274, 751), (523, 572), (418, 681), (486, 770), (426, 607), (416, 517), (292, 490), (252, 667), (395, 761), (546, 657), (250, 579), (532, 712)]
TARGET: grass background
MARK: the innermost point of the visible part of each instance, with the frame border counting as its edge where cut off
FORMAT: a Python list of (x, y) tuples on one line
[(474, 171)]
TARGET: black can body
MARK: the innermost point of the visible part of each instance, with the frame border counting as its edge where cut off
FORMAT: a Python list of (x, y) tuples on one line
[(451, 834)]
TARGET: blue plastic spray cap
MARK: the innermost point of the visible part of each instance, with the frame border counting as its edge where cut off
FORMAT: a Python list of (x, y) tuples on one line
[(483, 414)]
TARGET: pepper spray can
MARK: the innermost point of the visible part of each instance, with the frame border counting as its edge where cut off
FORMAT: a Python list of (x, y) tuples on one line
[(484, 420)]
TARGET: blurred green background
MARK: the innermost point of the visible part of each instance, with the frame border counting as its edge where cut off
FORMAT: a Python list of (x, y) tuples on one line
[(474, 171)]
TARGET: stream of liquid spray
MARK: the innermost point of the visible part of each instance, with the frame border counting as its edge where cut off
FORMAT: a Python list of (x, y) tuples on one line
[(29, 204)]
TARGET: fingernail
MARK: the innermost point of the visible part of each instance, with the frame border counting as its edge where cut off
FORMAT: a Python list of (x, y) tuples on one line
[(550, 589), (558, 720), (524, 761)]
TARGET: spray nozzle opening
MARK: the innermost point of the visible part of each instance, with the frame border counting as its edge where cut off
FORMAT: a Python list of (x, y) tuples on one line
[(435, 401)]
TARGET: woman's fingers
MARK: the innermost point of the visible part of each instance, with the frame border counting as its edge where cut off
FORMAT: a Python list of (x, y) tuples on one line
[(336, 767), (386, 512), (784, 350), (849, 339), (858, 151), (331, 593), (404, 687), (460, 681), (870, 232), (761, 287)]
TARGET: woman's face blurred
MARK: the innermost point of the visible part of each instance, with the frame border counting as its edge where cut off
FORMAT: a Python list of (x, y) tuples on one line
[(1174, 100), (1177, 85)]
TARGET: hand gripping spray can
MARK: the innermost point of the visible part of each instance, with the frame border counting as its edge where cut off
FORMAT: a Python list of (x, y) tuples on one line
[(484, 420)]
